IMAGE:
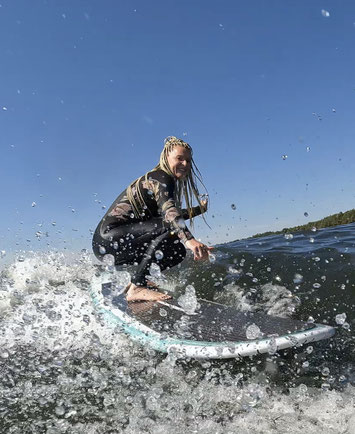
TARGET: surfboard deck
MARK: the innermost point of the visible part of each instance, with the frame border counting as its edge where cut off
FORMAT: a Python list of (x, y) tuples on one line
[(213, 331)]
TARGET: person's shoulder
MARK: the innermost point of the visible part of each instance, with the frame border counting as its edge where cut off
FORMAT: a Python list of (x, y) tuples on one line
[(161, 176)]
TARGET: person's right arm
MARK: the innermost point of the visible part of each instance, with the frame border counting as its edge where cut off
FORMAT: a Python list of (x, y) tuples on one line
[(165, 199)]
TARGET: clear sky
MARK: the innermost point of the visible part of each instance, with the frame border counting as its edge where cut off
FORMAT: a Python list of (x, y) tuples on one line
[(89, 90)]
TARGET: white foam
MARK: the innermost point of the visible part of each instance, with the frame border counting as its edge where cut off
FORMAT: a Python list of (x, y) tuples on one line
[(272, 299), (45, 301)]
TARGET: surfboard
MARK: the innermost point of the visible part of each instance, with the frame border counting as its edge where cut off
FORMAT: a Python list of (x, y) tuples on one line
[(213, 331)]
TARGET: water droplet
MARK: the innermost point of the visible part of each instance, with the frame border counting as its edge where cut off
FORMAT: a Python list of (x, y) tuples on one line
[(308, 148), (278, 278), (253, 332), (310, 319), (325, 386), (181, 223), (309, 349), (293, 340), (154, 270), (2, 253), (311, 240), (121, 281), (5, 109), (233, 206), (284, 157), (272, 346), (268, 269), (305, 364), (233, 270), (163, 312), (108, 260), (72, 210), (211, 257), (4, 354), (340, 318), (188, 301), (316, 285), (333, 110), (159, 255), (288, 236), (325, 371), (102, 250), (306, 214), (325, 13), (314, 229), (59, 410), (33, 204), (54, 223), (316, 259), (346, 326), (298, 278)]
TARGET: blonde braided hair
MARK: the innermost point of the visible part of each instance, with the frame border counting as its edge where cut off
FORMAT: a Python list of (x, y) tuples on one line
[(186, 187)]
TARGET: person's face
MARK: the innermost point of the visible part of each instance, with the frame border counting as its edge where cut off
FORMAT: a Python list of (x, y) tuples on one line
[(179, 160)]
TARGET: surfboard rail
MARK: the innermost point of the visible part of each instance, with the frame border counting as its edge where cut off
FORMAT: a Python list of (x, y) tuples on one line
[(200, 349)]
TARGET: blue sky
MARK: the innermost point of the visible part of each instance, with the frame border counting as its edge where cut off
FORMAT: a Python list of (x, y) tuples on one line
[(89, 90)]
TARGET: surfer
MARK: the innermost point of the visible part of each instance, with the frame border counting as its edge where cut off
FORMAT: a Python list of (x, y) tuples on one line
[(146, 224)]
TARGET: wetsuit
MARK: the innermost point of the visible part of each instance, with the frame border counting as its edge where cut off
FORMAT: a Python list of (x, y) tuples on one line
[(160, 228)]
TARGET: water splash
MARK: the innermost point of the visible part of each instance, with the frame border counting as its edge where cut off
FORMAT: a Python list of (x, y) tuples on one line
[(188, 301)]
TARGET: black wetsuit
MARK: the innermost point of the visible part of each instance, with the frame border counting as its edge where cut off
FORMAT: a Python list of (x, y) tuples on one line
[(160, 228)]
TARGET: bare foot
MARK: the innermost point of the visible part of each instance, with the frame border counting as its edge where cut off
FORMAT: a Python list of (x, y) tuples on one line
[(139, 293)]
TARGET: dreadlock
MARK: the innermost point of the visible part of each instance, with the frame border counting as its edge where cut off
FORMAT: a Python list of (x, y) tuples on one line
[(185, 188)]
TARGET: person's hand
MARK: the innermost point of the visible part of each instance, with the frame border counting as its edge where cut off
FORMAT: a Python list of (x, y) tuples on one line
[(199, 249)]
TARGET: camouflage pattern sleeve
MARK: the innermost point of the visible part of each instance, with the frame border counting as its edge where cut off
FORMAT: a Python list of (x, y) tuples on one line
[(164, 196), (196, 210)]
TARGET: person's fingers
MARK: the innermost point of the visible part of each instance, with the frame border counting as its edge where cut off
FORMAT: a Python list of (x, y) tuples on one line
[(197, 254), (201, 251)]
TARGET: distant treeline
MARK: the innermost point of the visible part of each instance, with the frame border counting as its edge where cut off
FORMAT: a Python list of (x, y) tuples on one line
[(342, 218)]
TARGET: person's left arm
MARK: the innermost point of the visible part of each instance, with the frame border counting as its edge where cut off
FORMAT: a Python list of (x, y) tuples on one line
[(196, 211)]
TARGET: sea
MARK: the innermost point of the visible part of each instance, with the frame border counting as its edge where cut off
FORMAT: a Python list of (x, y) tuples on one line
[(64, 370)]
